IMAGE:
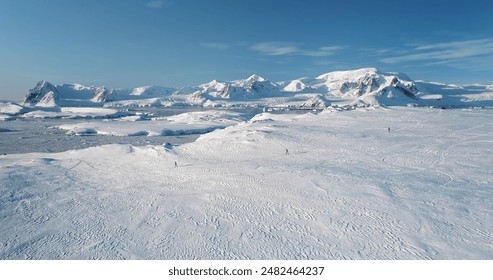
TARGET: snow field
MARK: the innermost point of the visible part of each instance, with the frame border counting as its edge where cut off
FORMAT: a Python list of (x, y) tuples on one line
[(186, 123), (348, 189)]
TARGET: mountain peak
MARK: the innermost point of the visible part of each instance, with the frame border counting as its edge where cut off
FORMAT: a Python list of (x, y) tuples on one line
[(43, 84), (250, 81), (42, 88), (255, 78), (349, 73)]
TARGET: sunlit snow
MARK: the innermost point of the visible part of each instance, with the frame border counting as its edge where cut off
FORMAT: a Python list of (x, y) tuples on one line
[(395, 183), (354, 164)]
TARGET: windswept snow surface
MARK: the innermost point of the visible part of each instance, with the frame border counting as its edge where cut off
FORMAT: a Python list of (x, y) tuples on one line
[(333, 185)]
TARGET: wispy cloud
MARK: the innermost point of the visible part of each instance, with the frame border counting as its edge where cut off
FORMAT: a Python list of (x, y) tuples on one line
[(375, 51), (215, 45), (323, 51), (285, 48), (275, 48), (446, 51), (319, 62), (157, 3)]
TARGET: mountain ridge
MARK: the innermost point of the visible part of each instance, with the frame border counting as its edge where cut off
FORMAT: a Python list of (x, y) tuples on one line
[(360, 87)]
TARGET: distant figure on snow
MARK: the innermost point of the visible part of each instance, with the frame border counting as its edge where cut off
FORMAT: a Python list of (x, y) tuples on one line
[(287, 152), (388, 129), (176, 164)]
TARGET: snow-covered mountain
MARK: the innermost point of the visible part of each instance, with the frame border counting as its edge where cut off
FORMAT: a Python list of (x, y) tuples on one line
[(361, 87), (355, 83), (252, 91), (46, 94), (365, 86), (43, 94), (254, 87)]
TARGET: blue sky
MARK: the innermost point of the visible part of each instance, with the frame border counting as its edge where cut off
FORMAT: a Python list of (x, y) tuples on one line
[(130, 43)]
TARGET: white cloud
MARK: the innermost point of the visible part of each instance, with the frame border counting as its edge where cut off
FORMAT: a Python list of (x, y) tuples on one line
[(442, 52), (283, 48), (275, 48), (323, 51), (375, 51), (157, 3), (215, 45)]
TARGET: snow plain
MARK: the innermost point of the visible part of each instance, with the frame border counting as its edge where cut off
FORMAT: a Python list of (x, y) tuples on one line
[(331, 185), (182, 124)]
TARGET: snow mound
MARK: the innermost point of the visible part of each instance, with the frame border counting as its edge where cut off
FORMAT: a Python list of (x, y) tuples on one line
[(10, 108), (182, 124), (74, 113)]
